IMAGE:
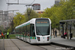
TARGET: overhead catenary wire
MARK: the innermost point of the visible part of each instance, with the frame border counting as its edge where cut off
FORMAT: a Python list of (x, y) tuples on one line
[(32, 2)]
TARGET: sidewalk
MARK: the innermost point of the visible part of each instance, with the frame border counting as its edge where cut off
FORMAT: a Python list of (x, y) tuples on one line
[(65, 42), (1, 44)]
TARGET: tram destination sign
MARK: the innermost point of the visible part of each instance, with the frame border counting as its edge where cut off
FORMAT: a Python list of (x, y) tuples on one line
[(41, 22)]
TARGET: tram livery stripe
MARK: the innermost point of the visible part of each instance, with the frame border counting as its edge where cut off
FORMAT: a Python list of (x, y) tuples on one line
[(27, 36), (30, 37)]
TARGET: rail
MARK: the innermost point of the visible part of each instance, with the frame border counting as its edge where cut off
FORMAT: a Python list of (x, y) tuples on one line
[(42, 47), (15, 44), (3, 44)]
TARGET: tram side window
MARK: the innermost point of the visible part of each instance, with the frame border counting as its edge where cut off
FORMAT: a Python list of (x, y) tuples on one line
[(22, 31), (32, 30), (28, 30), (19, 30), (16, 31), (25, 30)]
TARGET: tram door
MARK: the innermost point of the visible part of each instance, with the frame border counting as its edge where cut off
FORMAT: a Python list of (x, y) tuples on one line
[(32, 32)]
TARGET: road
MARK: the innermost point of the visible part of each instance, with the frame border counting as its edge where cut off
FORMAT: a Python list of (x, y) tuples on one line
[(16, 44)]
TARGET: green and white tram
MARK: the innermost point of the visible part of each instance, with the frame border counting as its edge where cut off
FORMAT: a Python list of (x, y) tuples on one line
[(36, 30)]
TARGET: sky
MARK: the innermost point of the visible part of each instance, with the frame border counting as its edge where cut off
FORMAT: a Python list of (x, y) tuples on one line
[(22, 8)]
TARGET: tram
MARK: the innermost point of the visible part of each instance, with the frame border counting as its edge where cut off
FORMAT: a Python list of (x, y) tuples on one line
[(35, 31)]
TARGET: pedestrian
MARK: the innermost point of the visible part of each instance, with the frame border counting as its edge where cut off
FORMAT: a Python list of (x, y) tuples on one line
[(65, 35), (71, 36), (55, 33), (7, 34), (2, 34)]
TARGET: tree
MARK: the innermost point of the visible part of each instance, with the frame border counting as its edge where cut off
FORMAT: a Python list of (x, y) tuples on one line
[(68, 9), (51, 13), (19, 19), (64, 11), (29, 14), (3, 30)]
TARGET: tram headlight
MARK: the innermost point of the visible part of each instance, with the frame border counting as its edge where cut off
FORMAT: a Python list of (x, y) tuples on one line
[(47, 38), (38, 38)]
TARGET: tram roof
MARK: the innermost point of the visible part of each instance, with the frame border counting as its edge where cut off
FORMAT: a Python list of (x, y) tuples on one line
[(27, 23), (24, 24)]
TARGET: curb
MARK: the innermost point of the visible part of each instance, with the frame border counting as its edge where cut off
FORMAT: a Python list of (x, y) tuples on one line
[(63, 45)]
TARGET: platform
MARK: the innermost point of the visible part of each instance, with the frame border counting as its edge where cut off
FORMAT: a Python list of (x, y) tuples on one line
[(1, 44), (65, 42)]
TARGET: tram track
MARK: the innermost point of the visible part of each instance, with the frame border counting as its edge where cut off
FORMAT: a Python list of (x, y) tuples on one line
[(51, 47), (21, 45), (3, 44), (15, 44), (47, 46), (42, 47)]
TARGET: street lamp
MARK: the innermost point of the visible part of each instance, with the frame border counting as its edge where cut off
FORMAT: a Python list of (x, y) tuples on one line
[(11, 25)]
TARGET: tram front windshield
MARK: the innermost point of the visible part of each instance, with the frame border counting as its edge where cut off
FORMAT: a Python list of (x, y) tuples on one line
[(42, 27)]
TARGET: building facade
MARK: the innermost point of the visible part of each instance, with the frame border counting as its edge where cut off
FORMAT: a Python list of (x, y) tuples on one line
[(57, 2), (39, 12), (5, 18), (1, 14), (36, 6)]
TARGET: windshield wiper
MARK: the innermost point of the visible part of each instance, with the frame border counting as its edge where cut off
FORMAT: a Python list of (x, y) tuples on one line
[(39, 32)]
